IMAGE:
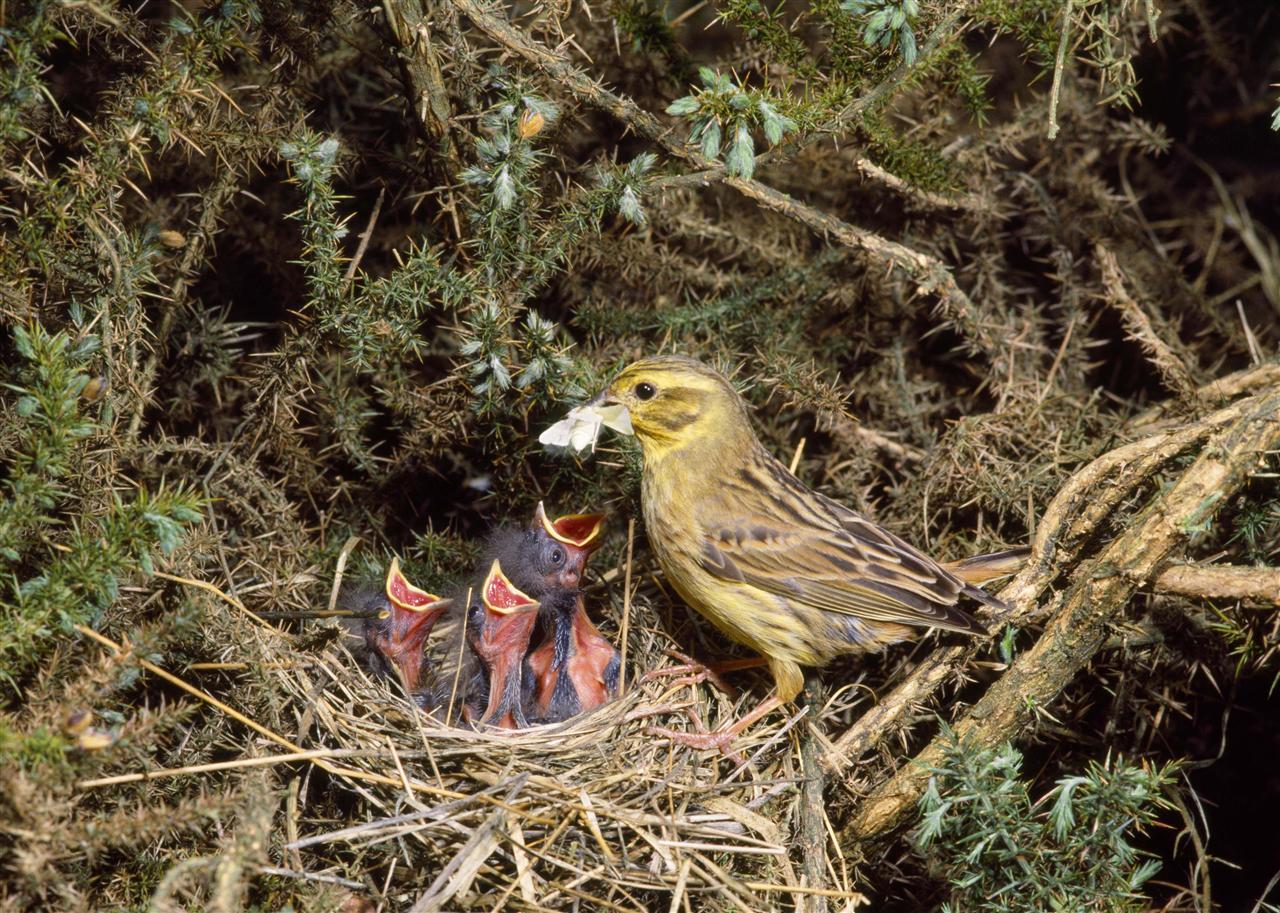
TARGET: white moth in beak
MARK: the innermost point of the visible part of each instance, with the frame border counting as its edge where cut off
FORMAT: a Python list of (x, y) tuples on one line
[(579, 429)]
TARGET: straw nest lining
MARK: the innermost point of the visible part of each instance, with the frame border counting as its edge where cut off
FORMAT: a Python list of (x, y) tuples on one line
[(592, 811)]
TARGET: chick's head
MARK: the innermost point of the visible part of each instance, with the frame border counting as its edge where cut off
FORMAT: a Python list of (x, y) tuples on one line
[(535, 562)]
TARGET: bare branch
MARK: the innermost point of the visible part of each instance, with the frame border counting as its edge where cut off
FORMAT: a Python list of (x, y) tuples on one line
[(1098, 593), (1256, 585), (929, 273)]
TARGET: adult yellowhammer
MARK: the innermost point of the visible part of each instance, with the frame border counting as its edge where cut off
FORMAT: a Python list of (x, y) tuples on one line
[(773, 564)]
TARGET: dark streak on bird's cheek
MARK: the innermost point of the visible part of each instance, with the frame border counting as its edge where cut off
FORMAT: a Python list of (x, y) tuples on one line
[(676, 421)]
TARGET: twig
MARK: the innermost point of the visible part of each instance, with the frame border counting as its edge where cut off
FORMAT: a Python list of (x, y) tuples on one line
[(626, 608), (813, 830), (284, 614), (312, 876), (225, 597), (1201, 872), (1059, 64), (929, 273), (457, 672), (266, 761), (682, 883), (971, 202), (1172, 367), (1255, 351), (854, 897), (1098, 592), (795, 458), (238, 666), (347, 548), (1057, 360), (364, 239), (1258, 585), (424, 83)]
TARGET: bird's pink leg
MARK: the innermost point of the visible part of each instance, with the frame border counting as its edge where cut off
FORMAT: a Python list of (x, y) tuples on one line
[(722, 738)]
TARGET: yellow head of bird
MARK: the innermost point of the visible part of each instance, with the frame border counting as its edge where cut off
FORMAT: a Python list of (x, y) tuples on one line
[(674, 400)]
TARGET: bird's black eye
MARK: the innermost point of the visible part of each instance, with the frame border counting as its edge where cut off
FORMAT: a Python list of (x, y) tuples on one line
[(557, 556), (646, 390)]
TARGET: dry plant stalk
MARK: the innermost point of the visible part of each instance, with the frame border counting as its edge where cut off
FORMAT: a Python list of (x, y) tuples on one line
[(1172, 367)]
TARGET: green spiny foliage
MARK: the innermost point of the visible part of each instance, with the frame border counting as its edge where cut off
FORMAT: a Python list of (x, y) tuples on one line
[(48, 407), (723, 116), (22, 85), (339, 299), (1071, 849), (65, 566), (888, 24)]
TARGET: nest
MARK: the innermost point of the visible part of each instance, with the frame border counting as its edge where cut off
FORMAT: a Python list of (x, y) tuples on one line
[(595, 810)]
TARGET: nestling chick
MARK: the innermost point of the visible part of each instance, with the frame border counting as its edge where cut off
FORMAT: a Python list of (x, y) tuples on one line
[(576, 669), (773, 564), (546, 556), (397, 632), (535, 564), (500, 623)]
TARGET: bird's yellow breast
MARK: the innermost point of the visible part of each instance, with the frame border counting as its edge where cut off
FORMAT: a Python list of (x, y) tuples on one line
[(762, 621)]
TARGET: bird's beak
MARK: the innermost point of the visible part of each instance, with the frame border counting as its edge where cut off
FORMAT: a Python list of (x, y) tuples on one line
[(605, 397), (578, 530), (501, 596)]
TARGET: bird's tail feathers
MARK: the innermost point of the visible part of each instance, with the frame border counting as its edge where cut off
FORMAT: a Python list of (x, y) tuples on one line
[(981, 568)]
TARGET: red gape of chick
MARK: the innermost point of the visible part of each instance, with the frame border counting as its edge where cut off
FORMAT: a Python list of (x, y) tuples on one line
[(575, 669), (400, 629)]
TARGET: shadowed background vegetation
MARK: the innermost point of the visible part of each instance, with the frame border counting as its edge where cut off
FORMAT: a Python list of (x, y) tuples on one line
[(273, 276)]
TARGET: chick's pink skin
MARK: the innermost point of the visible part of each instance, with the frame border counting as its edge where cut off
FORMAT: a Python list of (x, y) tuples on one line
[(400, 630), (401, 636), (501, 644), (500, 639), (586, 656), (590, 663), (589, 666)]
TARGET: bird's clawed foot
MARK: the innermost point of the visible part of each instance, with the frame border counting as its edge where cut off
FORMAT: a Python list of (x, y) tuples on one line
[(695, 672), (721, 739)]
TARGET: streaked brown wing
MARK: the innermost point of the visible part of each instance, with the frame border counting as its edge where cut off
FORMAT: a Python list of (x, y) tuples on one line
[(790, 541)]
